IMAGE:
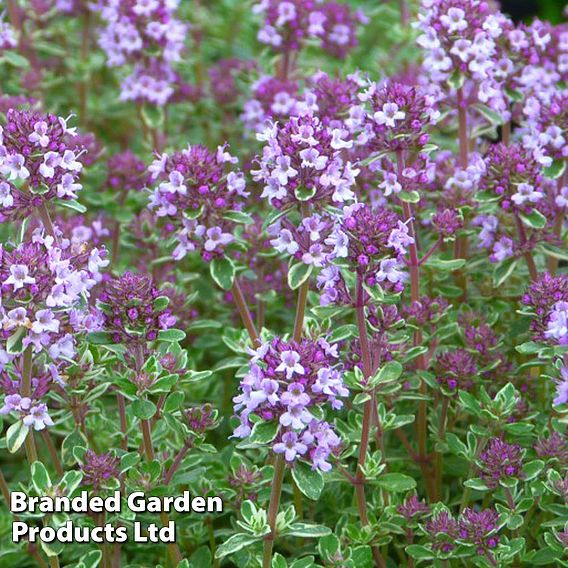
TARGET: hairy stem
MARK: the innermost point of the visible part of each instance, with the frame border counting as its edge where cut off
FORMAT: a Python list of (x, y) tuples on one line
[(31, 451), (279, 467), (527, 254), (52, 452), (244, 312), (414, 264), (368, 410)]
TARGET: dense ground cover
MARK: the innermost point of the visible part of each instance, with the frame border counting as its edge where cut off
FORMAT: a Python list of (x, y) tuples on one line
[(308, 256)]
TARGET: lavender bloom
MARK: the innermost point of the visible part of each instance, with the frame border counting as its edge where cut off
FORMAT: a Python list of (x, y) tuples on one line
[(35, 148), (557, 327), (413, 509), (148, 35), (129, 312), (369, 237), (499, 461), (478, 528), (543, 294), (196, 192), (443, 530), (397, 117), (98, 469), (289, 23), (272, 99), (302, 163), (463, 37), (8, 38), (42, 288), (562, 388), (32, 413), (456, 370), (285, 382), (126, 172), (554, 447)]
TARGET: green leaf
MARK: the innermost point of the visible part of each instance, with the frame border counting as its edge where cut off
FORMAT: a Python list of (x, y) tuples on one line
[(40, 478), (263, 432), (171, 335), (161, 303), (239, 217), (99, 338), (15, 59), (503, 270), (456, 80), (532, 469), (535, 219), (388, 373), (486, 196), (556, 169), (419, 552), (328, 546), (16, 436), (492, 116), (90, 560), (153, 115), (396, 482), (304, 194), (445, 265), (409, 196), (476, 484), (298, 274), (309, 482), (223, 272), (128, 460), (235, 543), (307, 530), (143, 409), (71, 204), (14, 343), (278, 561)]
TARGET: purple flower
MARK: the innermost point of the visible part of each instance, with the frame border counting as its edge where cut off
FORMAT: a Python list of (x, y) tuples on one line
[(38, 417), (290, 446), (284, 383), (562, 388), (129, 312), (557, 327), (194, 195), (292, 176), (443, 530), (500, 461), (99, 468), (413, 508), (479, 528), (36, 147)]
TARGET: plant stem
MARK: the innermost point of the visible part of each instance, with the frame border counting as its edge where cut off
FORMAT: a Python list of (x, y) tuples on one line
[(123, 421), (527, 254), (177, 461), (31, 451), (461, 244), (173, 547), (404, 13), (359, 480), (301, 310), (147, 435), (46, 219), (552, 264), (52, 452), (279, 467), (440, 456), (462, 129), (244, 312), (414, 263)]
